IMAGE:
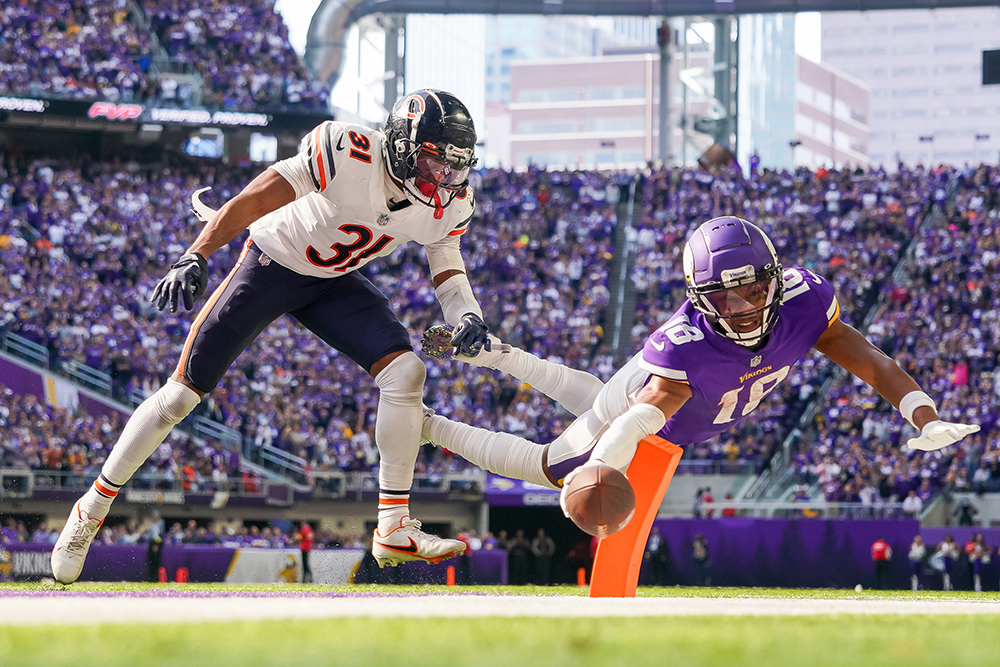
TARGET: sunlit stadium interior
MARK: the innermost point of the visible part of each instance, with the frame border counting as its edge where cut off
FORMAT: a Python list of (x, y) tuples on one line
[(862, 138)]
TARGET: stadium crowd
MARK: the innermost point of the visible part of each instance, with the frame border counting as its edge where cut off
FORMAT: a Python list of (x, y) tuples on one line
[(939, 322), (241, 49), (85, 242), (72, 446), (145, 51), (71, 49)]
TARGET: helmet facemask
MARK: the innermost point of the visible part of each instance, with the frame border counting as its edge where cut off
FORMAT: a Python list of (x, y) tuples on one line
[(743, 310), (436, 173), (430, 147)]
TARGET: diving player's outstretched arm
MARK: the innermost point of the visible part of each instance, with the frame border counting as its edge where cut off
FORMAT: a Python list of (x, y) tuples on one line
[(846, 347), (655, 404)]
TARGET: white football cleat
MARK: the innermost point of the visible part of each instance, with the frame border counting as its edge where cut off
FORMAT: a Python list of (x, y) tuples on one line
[(486, 358), (74, 542), (407, 542)]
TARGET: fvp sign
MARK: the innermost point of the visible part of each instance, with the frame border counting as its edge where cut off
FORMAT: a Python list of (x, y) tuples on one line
[(113, 111)]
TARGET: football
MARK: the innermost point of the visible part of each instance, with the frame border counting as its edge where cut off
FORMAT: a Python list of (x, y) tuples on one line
[(600, 500)]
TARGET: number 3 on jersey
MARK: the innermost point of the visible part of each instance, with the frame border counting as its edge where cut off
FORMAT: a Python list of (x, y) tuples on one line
[(361, 146), (760, 388)]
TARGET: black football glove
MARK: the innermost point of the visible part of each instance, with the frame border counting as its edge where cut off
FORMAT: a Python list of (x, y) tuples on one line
[(471, 335), (187, 278)]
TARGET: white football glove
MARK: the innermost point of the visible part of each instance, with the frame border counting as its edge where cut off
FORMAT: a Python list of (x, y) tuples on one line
[(573, 473), (937, 434)]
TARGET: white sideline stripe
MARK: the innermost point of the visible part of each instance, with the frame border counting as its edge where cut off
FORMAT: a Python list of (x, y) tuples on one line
[(69, 610)]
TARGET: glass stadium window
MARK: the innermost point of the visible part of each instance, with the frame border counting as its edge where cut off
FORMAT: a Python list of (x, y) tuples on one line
[(622, 124), (547, 95), (547, 126), (616, 93)]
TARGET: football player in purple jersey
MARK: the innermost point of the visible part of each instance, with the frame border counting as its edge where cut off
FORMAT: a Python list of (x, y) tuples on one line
[(351, 195), (745, 323)]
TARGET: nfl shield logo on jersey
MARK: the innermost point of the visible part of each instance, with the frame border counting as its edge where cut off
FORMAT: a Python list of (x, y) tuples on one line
[(755, 362), (383, 219)]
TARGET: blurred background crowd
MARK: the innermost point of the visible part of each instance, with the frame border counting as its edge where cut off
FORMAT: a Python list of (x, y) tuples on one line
[(219, 55), (911, 253)]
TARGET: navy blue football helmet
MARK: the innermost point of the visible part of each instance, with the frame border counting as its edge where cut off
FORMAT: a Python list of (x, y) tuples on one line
[(430, 146)]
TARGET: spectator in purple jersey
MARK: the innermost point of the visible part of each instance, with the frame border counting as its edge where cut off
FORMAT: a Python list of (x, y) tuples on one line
[(745, 324)]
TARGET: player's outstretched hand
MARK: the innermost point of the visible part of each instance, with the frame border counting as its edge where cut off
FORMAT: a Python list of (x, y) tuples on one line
[(186, 279), (937, 434), (471, 335)]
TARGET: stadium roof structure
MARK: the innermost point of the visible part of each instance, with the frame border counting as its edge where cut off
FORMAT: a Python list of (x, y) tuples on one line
[(327, 36)]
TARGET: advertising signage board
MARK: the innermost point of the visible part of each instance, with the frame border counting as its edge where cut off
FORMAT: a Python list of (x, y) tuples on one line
[(143, 114)]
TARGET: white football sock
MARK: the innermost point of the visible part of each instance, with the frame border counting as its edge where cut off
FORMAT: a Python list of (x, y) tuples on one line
[(148, 426), (502, 453), (393, 507), (574, 390), (397, 422)]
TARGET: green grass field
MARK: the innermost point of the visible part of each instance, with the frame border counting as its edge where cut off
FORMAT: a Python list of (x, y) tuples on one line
[(710, 641)]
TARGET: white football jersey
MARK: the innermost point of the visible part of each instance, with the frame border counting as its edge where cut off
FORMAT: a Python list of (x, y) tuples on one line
[(340, 219)]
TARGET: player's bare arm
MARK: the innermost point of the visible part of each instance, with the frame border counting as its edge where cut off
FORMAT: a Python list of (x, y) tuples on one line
[(667, 395), (846, 347), (266, 193), (187, 279)]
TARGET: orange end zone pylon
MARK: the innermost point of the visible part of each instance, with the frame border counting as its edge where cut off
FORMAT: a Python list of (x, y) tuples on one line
[(619, 556)]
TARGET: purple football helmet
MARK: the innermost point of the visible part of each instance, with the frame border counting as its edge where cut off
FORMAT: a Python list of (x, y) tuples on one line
[(734, 277)]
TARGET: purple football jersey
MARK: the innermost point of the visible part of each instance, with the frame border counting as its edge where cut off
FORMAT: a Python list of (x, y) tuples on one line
[(728, 381)]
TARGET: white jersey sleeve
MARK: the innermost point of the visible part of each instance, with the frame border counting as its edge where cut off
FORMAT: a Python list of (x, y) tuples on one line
[(446, 254), (313, 168)]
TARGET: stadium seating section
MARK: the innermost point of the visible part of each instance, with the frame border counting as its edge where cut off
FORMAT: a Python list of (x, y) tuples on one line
[(134, 50), (83, 243)]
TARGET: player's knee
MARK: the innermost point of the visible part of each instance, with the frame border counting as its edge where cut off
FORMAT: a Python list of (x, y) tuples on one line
[(174, 401), (404, 375)]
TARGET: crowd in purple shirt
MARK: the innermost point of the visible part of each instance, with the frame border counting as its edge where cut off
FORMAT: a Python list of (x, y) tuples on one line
[(86, 242), (75, 50), (100, 49), (241, 50), (939, 321)]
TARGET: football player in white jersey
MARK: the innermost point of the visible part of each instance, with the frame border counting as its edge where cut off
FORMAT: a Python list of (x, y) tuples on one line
[(350, 195)]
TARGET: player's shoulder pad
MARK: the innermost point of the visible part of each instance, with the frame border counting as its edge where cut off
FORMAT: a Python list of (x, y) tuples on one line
[(664, 353), (807, 290), (331, 143), (317, 147)]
